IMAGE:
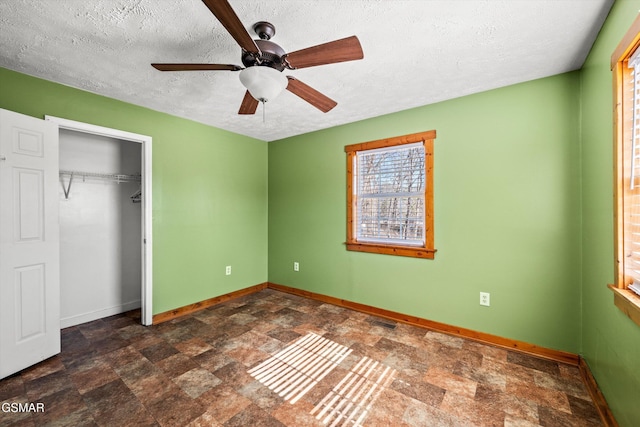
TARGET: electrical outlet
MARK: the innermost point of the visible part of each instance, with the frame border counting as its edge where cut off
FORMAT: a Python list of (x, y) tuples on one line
[(296, 266), (485, 298), (227, 270)]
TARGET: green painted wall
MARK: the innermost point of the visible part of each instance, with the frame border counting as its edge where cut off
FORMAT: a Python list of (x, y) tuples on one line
[(209, 190), (611, 341), (507, 215)]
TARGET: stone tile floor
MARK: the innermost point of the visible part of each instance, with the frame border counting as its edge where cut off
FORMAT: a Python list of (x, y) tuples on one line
[(194, 371)]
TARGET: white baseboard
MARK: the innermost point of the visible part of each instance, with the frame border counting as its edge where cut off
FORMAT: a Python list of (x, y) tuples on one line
[(98, 314)]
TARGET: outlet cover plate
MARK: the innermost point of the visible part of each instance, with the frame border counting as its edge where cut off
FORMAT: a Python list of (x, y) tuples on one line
[(485, 299)]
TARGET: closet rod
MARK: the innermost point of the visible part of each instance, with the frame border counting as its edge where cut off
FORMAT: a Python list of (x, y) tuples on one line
[(107, 176)]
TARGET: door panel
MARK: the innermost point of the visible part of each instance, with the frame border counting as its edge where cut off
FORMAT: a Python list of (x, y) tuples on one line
[(27, 202), (27, 142), (29, 242), (29, 302)]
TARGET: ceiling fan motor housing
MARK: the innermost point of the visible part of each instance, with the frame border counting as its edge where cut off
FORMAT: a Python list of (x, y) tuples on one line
[(270, 56)]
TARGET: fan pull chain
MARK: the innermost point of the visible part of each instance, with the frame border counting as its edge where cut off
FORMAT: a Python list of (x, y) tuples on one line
[(264, 107)]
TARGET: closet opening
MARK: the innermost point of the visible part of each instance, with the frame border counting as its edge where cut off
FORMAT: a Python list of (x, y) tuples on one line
[(105, 222)]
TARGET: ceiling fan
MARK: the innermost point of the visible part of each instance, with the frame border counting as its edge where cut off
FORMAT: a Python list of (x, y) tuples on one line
[(264, 61)]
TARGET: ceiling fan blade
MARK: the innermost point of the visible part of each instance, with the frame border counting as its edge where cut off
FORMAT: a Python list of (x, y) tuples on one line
[(347, 49), (309, 94), (228, 18), (249, 104), (196, 67)]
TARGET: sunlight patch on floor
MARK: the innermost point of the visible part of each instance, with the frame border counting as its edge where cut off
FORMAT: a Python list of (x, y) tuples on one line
[(295, 370), (352, 398)]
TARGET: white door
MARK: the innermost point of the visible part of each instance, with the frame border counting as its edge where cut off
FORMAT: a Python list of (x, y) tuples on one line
[(29, 242)]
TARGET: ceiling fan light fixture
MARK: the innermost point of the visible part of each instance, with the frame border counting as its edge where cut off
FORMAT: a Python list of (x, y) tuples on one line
[(263, 83)]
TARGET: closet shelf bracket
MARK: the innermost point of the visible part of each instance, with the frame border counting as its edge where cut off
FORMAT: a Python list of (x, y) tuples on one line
[(68, 189)]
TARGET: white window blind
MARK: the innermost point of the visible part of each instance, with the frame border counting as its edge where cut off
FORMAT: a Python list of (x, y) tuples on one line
[(634, 65), (390, 185), (632, 196)]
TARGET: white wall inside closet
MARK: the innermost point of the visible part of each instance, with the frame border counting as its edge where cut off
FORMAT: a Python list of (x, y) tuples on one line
[(100, 229)]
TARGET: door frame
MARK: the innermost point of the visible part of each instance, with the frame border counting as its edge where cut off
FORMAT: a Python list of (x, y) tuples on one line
[(145, 183)]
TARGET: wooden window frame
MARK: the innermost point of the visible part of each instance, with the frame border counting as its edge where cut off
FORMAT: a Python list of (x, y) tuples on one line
[(424, 251), (626, 300)]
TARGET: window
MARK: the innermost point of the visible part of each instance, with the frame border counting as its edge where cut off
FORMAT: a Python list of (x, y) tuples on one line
[(390, 196), (625, 64)]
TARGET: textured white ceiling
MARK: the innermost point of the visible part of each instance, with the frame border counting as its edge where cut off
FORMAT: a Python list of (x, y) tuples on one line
[(416, 52)]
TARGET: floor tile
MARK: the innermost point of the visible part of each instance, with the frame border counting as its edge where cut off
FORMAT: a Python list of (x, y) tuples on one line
[(197, 381), (223, 402)]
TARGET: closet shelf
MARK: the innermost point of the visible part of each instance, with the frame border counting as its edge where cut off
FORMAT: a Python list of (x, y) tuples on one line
[(108, 176), (114, 177)]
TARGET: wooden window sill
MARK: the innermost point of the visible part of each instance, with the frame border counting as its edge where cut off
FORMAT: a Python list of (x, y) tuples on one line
[(409, 251), (628, 302)]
